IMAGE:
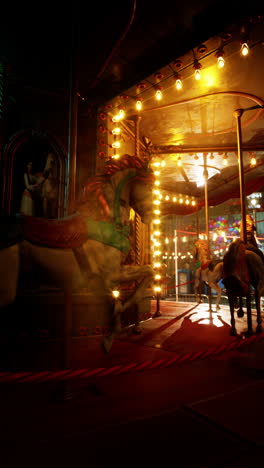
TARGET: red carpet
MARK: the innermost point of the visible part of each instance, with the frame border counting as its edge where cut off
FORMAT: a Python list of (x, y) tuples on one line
[(245, 418)]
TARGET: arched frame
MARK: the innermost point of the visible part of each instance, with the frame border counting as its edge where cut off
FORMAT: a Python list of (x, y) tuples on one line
[(12, 155)]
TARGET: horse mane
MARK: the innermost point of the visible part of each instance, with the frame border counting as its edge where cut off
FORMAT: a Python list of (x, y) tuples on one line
[(94, 188)]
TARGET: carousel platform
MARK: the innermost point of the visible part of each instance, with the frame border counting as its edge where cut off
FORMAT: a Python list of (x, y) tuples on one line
[(182, 390)]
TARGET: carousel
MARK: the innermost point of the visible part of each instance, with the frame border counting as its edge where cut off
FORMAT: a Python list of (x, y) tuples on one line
[(199, 121), (179, 167)]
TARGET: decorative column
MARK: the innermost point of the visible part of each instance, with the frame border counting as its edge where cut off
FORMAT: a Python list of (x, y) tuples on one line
[(70, 185), (138, 224), (3, 86)]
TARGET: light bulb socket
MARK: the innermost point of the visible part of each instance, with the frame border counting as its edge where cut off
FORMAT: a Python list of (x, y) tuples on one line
[(141, 86), (158, 76), (219, 53), (178, 76), (202, 49), (197, 65), (177, 64)]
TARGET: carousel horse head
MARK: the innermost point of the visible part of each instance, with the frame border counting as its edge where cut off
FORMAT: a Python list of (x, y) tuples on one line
[(123, 184), (50, 169)]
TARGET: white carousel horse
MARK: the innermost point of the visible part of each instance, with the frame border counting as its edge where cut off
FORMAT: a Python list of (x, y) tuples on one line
[(47, 191), (242, 269), (88, 249), (209, 272)]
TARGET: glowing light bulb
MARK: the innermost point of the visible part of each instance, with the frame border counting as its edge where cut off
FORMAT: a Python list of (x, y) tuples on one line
[(116, 144), (178, 84), (221, 61), (244, 49), (121, 114), (116, 131), (197, 74), (115, 293), (138, 105), (158, 95)]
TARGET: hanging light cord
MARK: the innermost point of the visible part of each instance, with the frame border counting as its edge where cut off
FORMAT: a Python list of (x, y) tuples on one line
[(109, 58)]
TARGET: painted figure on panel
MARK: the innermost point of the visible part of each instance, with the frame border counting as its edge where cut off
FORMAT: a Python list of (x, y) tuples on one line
[(40, 195), (27, 206)]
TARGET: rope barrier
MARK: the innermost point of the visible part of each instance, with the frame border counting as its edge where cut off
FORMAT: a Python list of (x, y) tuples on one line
[(178, 359)]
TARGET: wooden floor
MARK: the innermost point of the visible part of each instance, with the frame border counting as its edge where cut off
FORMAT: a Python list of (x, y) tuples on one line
[(141, 395)]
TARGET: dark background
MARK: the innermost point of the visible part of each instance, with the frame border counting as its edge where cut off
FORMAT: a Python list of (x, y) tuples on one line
[(117, 43)]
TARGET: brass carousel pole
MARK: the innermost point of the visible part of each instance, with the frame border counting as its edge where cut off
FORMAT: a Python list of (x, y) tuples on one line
[(205, 174), (238, 114), (243, 232), (72, 120)]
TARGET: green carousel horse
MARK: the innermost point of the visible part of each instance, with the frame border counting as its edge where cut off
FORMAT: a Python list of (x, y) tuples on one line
[(88, 249)]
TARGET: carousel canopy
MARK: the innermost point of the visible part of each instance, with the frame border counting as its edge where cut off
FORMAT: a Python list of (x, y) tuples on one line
[(194, 130)]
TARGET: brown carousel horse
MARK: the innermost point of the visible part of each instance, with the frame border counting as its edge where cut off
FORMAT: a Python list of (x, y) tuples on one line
[(243, 269), (210, 272), (88, 249)]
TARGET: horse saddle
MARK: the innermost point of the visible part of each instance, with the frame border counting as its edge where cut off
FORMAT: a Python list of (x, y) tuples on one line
[(213, 264), (205, 265), (68, 233), (11, 231)]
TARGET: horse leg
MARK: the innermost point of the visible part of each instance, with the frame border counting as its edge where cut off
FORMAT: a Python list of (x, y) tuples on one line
[(128, 273), (240, 312), (217, 288), (197, 286), (249, 316), (231, 300), (135, 298), (9, 271), (258, 307)]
